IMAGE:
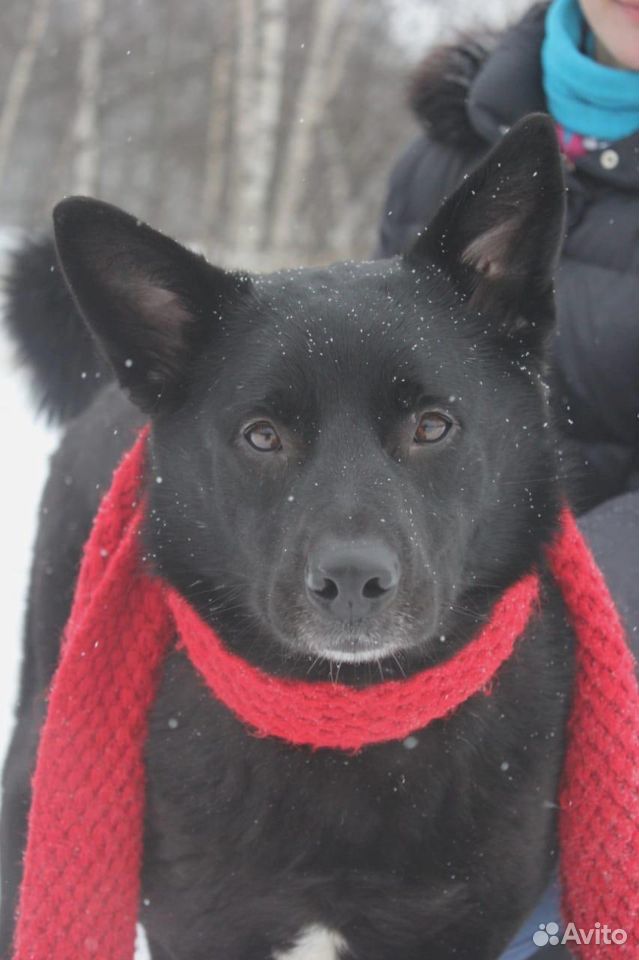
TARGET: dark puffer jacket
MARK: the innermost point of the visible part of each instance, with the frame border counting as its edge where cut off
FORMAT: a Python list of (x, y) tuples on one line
[(466, 96)]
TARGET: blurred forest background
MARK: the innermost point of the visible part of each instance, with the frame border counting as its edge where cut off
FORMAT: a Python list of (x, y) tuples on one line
[(261, 131)]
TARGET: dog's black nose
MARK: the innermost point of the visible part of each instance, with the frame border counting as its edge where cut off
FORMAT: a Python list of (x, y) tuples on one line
[(352, 580)]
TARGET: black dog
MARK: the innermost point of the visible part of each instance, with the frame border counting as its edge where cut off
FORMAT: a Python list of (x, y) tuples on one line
[(355, 463)]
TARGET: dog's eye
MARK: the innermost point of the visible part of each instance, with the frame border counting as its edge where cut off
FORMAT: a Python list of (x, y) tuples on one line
[(263, 436), (431, 427)]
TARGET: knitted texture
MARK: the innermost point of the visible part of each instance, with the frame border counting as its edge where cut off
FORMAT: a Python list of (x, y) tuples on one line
[(333, 715), (599, 797), (80, 891)]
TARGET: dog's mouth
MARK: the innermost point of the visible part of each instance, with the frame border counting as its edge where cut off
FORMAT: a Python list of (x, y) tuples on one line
[(361, 652), (400, 630), (353, 643)]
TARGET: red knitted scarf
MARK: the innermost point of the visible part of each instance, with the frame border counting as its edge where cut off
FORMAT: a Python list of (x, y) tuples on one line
[(81, 885)]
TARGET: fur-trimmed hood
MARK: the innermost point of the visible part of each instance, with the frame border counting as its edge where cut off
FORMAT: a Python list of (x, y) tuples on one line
[(465, 93), (438, 90)]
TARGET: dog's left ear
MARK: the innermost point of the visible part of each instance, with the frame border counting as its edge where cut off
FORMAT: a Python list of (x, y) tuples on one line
[(150, 303), (499, 235)]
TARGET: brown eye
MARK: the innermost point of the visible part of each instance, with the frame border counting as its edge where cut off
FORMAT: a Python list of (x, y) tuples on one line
[(263, 436), (431, 427)]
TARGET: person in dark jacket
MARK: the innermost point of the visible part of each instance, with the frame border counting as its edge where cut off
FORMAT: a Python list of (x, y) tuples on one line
[(579, 61)]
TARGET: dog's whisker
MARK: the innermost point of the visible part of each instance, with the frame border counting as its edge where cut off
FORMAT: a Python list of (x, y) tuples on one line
[(313, 665), (399, 666)]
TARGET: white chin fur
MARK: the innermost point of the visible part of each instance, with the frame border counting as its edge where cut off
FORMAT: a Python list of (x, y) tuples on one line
[(370, 655), (315, 943), (340, 645)]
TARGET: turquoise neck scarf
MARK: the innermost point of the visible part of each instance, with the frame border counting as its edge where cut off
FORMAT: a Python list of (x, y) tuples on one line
[(584, 96)]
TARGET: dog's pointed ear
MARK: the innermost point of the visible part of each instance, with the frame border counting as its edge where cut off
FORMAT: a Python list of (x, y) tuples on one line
[(499, 235), (149, 301)]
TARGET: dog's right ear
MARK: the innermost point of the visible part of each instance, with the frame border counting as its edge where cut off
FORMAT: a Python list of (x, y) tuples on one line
[(499, 235), (148, 300)]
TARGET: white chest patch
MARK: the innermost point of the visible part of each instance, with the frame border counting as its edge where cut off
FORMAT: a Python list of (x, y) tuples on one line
[(315, 943)]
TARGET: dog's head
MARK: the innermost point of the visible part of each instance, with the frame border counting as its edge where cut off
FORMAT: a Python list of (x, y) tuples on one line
[(348, 463)]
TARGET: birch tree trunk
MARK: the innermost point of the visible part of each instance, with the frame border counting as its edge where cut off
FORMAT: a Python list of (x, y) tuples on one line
[(260, 159), (244, 120), (293, 175), (20, 76), (85, 122), (218, 149)]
